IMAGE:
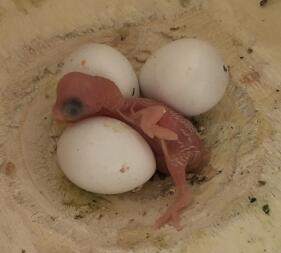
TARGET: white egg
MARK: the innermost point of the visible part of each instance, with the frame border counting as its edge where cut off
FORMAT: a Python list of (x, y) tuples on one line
[(187, 74), (102, 60), (104, 155)]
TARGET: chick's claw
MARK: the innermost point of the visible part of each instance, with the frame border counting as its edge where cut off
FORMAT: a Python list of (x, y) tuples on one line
[(171, 217), (172, 214)]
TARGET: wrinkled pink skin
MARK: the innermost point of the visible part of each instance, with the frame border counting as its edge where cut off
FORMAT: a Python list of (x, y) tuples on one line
[(173, 138)]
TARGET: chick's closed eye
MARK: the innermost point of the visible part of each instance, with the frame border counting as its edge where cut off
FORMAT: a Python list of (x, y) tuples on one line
[(72, 107)]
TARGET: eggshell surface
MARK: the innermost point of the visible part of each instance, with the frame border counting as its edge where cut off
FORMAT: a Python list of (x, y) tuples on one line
[(105, 61), (104, 155), (187, 74)]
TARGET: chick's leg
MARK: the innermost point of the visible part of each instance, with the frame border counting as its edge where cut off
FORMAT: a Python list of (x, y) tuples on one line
[(183, 193)]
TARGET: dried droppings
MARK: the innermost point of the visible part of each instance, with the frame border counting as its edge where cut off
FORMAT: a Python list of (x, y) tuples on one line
[(277, 90), (23, 251), (263, 3), (144, 213), (225, 68), (241, 57), (261, 182), (266, 209), (252, 199), (250, 50), (133, 92)]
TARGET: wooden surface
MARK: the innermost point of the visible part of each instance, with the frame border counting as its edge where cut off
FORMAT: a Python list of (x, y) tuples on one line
[(41, 211)]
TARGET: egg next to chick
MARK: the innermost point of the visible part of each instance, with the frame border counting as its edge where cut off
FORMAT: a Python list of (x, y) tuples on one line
[(102, 60), (105, 155), (187, 74)]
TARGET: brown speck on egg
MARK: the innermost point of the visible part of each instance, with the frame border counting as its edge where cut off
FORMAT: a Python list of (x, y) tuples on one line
[(124, 168), (83, 62)]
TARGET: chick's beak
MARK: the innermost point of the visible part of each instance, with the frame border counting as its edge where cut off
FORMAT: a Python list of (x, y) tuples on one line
[(57, 115)]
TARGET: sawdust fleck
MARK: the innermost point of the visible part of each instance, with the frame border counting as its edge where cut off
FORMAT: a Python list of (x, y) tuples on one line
[(250, 77), (9, 168)]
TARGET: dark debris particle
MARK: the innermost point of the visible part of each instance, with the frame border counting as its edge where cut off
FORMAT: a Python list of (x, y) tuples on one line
[(263, 3), (225, 68), (174, 28), (133, 92), (277, 90), (23, 251), (197, 179), (220, 171), (250, 50), (252, 199), (139, 60), (78, 216), (52, 218), (195, 122), (241, 57), (261, 182), (100, 216), (159, 175), (266, 209), (162, 176)]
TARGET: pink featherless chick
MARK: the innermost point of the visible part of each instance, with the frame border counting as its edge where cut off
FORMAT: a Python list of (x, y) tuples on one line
[(173, 139)]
